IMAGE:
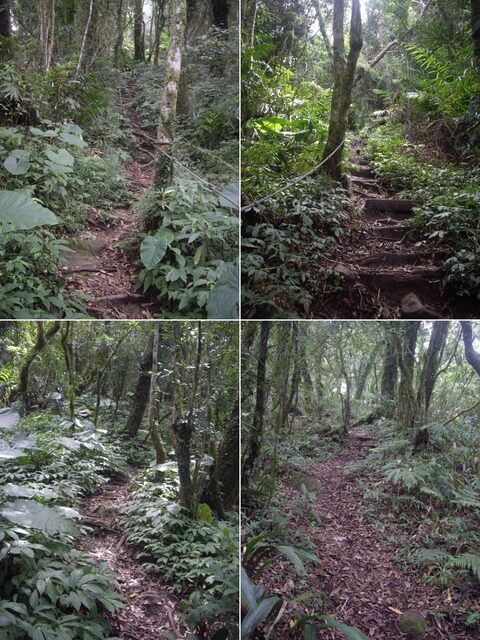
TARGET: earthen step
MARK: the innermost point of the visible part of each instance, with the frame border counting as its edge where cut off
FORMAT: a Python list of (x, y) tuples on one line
[(386, 204), (394, 232), (359, 171), (386, 279), (391, 259), (385, 217)]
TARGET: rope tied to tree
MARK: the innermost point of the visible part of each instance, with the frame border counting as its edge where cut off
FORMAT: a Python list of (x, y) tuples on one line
[(293, 182)]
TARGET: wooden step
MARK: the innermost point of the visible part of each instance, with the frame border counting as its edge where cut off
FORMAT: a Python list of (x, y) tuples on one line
[(394, 232), (359, 171), (385, 217), (389, 279), (390, 259)]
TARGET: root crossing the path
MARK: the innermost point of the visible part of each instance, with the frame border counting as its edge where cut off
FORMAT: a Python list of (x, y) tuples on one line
[(150, 607), (102, 263), (386, 273), (360, 579)]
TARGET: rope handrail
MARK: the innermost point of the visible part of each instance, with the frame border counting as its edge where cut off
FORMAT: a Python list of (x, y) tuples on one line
[(255, 203)]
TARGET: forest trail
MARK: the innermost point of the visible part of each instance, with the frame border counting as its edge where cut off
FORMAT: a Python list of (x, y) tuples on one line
[(358, 570), (386, 275), (150, 606), (102, 263)]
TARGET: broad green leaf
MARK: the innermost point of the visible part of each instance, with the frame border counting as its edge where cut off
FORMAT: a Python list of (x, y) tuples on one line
[(70, 138), (8, 418), (60, 157), (18, 211), (33, 515), (154, 248), (18, 162), (223, 302), (17, 491), (43, 134), (248, 593), (57, 168), (204, 512), (309, 632), (352, 633), (255, 617)]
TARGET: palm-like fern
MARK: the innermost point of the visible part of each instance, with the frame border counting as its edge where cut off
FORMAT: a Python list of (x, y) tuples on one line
[(468, 561)]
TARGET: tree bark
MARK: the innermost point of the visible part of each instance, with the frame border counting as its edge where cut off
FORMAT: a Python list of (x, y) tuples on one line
[(160, 453), (431, 364), (323, 29), (86, 33), (390, 364), (6, 51), (140, 397), (47, 31), (472, 357), (70, 366), (117, 51), (344, 74), (407, 401), (139, 32), (476, 31), (255, 438), (168, 102)]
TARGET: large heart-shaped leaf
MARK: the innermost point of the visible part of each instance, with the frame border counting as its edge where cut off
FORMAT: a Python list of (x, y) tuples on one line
[(18, 162), (71, 138), (33, 515), (60, 157), (18, 491), (18, 211), (153, 248)]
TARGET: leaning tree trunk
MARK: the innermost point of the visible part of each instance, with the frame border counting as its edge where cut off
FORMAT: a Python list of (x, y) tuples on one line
[(168, 102), (429, 372), (140, 397), (43, 338), (344, 74), (407, 401), (390, 365), (472, 357)]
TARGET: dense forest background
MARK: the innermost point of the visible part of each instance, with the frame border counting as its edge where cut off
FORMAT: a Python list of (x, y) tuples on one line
[(118, 158), (409, 70), (360, 473), (118, 480)]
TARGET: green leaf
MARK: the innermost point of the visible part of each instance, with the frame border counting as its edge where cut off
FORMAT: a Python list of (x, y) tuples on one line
[(33, 515), (19, 212), (17, 163), (230, 196), (352, 633), (60, 157), (256, 616), (309, 632), (43, 134), (70, 138), (223, 302), (154, 248)]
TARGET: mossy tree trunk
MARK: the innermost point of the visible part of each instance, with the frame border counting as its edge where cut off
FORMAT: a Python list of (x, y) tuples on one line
[(161, 456), (67, 345), (168, 102), (407, 404), (344, 68), (138, 32), (476, 31), (429, 372), (120, 26), (46, 15), (5, 31), (472, 357)]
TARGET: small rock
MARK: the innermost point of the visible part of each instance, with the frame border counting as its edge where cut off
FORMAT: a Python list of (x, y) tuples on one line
[(346, 272), (413, 624), (412, 307)]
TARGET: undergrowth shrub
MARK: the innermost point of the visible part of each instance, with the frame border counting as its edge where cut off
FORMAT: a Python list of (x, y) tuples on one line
[(283, 245)]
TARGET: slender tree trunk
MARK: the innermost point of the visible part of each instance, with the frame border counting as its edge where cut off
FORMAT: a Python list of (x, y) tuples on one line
[(5, 31), (430, 368), (407, 401), (323, 29), (86, 33), (67, 345), (344, 73), (251, 8), (364, 374), (140, 397), (476, 30), (117, 52), (255, 438), (46, 16), (390, 365), (161, 456), (168, 102)]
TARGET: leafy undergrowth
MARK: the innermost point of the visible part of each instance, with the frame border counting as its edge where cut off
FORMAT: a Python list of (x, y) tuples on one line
[(448, 197), (429, 502), (284, 243), (50, 591), (198, 557)]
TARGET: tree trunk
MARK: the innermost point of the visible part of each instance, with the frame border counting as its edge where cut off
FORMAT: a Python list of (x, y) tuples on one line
[(43, 338), (161, 456), (251, 8), (344, 74), (86, 34), (429, 372), (363, 375), (70, 366), (139, 32), (476, 30), (140, 397), (323, 29), (472, 357), (255, 438), (46, 16), (168, 102), (117, 52), (5, 19), (405, 346), (390, 364)]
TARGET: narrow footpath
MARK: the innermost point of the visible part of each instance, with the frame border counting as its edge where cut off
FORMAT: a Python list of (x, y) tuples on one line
[(151, 607), (102, 263), (359, 580), (385, 273)]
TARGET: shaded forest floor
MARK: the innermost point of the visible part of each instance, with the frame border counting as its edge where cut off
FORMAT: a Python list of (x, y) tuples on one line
[(360, 580), (102, 264), (386, 274), (150, 607)]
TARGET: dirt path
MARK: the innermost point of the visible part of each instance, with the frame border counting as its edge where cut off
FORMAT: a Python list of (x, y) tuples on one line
[(386, 275), (150, 606), (361, 582), (102, 264)]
